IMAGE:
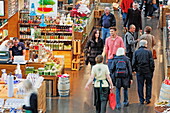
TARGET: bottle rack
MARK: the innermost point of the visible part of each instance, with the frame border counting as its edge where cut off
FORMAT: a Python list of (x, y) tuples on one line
[(57, 37)]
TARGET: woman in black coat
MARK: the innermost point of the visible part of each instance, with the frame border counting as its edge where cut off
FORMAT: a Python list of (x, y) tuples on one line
[(121, 78), (94, 47)]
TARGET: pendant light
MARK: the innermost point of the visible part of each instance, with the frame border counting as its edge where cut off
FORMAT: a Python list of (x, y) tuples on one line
[(32, 13)]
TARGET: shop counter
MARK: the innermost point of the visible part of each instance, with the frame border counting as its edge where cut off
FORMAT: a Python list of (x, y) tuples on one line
[(10, 68)]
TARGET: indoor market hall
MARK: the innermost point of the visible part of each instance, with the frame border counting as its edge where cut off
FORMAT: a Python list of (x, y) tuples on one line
[(81, 56), (81, 100)]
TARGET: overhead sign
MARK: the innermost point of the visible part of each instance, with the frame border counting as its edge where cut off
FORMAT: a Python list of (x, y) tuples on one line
[(46, 7)]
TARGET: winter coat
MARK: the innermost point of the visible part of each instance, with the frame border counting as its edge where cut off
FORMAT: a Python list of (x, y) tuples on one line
[(125, 5), (143, 62), (129, 42), (112, 20), (134, 17), (150, 39), (121, 82), (94, 48)]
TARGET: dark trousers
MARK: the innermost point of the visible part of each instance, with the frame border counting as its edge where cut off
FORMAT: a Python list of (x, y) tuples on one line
[(130, 55), (101, 98), (147, 78), (148, 10)]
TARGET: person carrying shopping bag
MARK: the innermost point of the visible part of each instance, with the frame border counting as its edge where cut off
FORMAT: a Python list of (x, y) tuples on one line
[(121, 74), (101, 74)]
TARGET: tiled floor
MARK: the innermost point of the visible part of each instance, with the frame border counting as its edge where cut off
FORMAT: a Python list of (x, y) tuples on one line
[(81, 101)]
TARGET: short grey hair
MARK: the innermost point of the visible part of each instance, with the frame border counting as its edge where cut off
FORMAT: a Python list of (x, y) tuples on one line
[(120, 51), (132, 25), (143, 43), (107, 8)]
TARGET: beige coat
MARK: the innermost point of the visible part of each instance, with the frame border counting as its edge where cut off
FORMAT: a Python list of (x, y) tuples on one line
[(150, 39)]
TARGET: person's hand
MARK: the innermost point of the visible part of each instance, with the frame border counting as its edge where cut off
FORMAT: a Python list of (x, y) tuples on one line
[(87, 87), (140, 31), (134, 73), (106, 60), (131, 81), (111, 87), (138, 39)]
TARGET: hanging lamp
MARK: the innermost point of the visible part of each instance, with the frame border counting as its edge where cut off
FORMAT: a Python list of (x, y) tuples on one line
[(42, 24), (32, 13)]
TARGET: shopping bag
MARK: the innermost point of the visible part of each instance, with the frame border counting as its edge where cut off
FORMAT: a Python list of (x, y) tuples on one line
[(112, 100), (154, 54)]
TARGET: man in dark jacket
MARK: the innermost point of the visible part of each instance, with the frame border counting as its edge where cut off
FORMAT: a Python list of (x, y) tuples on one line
[(107, 20), (143, 64), (121, 80), (134, 17)]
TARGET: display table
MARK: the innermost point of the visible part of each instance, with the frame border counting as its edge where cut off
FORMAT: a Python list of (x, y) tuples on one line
[(54, 80), (41, 95), (160, 109), (10, 68)]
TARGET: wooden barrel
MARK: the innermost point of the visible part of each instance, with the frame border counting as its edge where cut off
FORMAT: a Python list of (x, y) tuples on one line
[(164, 92), (63, 86)]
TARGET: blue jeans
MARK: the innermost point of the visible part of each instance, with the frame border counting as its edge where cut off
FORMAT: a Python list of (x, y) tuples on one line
[(125, 102), (124, 15), (147, 79), (109, 64), (105, 33)]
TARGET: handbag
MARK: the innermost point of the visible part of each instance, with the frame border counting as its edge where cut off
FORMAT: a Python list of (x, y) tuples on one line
[(112, 100), (153, 51)]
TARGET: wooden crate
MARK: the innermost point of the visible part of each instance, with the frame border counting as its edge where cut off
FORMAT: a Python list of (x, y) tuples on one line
[(98, 13), (76, 47), (78, 35), (75, 64)]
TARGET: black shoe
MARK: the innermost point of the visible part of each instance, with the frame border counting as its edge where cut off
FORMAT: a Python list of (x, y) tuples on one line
[(126, 105), (142, 103), (148, 102)]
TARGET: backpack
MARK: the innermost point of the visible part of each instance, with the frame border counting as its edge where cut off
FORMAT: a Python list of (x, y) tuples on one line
[(121, 69)]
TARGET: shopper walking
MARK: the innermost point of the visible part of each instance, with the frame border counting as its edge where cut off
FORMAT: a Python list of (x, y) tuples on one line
[(130, 42), (148, 8), (94, 47), (125, 5), (121, 74), (143, 64), (31, 103), (149, 38), (112, 44), (101, 86), (107, 20), (134, 17)]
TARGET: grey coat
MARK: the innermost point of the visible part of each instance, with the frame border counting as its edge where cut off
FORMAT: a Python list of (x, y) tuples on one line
[(129, 42)]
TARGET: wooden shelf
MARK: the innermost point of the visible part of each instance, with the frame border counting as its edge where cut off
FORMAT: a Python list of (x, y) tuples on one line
[(67, 40), (3, 25), (3, 38), (58, 33), (46, 23)]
